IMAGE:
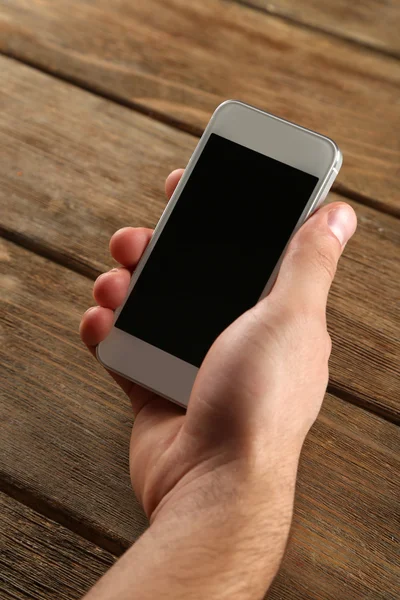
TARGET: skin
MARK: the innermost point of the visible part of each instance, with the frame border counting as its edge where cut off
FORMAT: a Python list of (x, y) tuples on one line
[(217, 482)]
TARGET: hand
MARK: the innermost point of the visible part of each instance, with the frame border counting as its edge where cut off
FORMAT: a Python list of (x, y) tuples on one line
[(258, 391)]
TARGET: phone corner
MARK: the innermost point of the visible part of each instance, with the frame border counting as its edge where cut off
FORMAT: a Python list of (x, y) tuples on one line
[(337, 156), (339, 160), (224, 105)]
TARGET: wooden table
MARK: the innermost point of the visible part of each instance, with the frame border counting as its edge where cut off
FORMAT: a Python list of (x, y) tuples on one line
[(99, 100)]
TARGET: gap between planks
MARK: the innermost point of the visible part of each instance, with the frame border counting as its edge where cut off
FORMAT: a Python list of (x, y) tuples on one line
[(340, 428), (28, 497), (193, 130), (318, 29), (84, 529), (60, 515), (81, 268)]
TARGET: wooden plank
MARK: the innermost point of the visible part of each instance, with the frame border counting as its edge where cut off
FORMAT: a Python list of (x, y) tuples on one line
[(370, 22), (66, 432), (178, 60), (41, 559), (339, 497), (74, 168), (66, 426)]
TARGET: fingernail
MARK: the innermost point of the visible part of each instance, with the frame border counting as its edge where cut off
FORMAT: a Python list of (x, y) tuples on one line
[(89, 310), (342, 223)]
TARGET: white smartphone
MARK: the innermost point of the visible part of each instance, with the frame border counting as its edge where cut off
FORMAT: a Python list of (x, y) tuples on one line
[(251, 182)]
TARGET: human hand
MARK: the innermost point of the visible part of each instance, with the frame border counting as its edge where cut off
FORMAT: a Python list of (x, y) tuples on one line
[(256, 395)]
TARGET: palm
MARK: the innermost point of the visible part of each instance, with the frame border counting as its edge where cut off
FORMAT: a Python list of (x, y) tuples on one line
[(153, 468), (168, 445), (240, 382)]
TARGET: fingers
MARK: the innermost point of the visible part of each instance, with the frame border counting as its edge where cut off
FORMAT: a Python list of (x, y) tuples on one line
[(95, 325), (310, 264), (111, 288), (128, 244), (172, 181)]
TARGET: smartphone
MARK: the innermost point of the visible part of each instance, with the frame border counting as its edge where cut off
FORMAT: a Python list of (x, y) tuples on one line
[(251, 182)]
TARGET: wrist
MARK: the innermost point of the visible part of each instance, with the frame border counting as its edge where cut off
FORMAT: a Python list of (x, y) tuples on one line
[(260, 470), (221, 534), (228, 531)]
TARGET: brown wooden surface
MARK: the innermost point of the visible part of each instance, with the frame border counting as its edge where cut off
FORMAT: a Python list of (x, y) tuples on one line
[(66, 431), (74, 168), (370, 22), (179, 59), (40, 559), (66, 426)]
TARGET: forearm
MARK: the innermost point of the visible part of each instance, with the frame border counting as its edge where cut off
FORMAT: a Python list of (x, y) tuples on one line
[(208, 545)]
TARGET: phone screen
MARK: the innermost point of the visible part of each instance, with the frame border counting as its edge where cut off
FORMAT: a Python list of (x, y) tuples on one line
[(217, 250)]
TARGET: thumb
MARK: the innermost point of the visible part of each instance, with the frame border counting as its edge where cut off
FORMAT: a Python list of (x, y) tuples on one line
[(309, 265)]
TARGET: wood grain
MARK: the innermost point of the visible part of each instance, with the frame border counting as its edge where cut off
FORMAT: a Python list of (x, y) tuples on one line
[(370, 22), (66, 430), (65, 426), (178, 60), (332, 552), (74, 168), (42, 560)]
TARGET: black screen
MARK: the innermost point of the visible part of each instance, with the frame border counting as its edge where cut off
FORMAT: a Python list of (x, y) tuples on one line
[(217, 249)]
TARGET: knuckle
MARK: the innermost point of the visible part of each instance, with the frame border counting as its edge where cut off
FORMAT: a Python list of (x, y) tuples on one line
[(299, 323), (325, 261), (314, 249), (304, 314), (308, 325), (293, 324)]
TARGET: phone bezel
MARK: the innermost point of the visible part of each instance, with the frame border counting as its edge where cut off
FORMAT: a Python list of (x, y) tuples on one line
[(287, 142)]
